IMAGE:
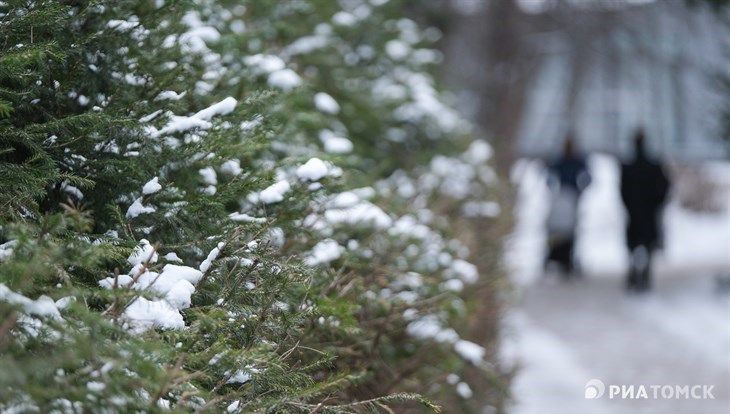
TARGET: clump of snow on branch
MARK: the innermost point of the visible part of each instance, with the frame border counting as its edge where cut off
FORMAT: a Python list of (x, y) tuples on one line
[(324, 252), (173, 288), (313, 170), (151, 187), (326, 103)]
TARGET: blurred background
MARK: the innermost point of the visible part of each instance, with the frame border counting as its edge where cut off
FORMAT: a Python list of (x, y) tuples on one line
[(528, 73)]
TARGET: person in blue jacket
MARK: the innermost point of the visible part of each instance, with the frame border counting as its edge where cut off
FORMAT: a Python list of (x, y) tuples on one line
[(567, 178)]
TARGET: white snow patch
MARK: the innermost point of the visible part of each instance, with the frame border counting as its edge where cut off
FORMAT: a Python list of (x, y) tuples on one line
[(194, 40), (172, 257), (121, 281), (6, 249), (74, 191), (240, 377), (464, 270), (308, 44), (148, 118), (65, 301), (343, 18), (180, 124), (232, 167), (143, 314), (397, 49), (199, 120), (223, 107), (211, 256), (238, 27), (43, 306), (429, 327), (285, 79), (334, 144), (349, 208), (479, 152), (152, 186), (326, 103), (137, 209), (245, 218), (325, 252), (170, 276), (271, 194), (209, 176), (261, 63), (142, 253), (170, 95), (232, 407), (470, 351), (454, 285), (313, 170), (122, 25), (95, 386), (464, 390)]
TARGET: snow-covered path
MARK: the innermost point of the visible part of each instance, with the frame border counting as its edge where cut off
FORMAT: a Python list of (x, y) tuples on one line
[(563, 334)]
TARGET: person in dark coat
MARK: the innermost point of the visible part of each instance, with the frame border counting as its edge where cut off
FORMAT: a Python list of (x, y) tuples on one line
[(567, 178), (644, 188)]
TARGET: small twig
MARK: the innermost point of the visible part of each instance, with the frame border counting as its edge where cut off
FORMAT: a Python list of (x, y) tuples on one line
[(144, 267), (5, 328), (171, 381), (114, 309), (210, 404), (116, 278), (385, 407), (319, 406), (286, 354)]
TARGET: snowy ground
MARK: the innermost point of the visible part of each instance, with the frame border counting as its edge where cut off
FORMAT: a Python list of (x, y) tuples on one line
[(563, 334)]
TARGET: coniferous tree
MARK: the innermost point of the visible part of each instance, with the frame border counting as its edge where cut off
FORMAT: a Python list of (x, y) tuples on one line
[(202, 209)]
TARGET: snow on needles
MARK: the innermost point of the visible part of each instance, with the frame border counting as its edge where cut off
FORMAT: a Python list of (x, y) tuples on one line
[(324, 252), (334, 144), (6, 249), (271, 194), (174, 286), (429, 327), (262, 63), (312, 170), (470, 351), (326, 103), (142, 253), (223, 107), (43, 306), (201, 119), (137, 208), (151, 187), (348, 208), (232, 167), (278, 75), (285, 79)]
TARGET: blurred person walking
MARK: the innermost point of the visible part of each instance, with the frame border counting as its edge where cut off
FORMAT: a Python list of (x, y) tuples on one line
[(644, 188), (567, 178)]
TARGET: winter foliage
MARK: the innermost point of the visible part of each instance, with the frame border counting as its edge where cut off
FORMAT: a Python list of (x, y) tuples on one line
[(207, 206)]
